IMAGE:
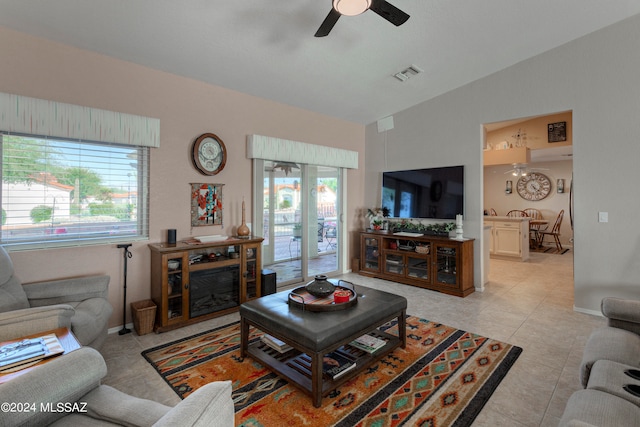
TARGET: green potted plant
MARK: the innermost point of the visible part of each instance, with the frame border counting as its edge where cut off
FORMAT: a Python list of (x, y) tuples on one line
[(297, 230), (376, 223), (377, 217)]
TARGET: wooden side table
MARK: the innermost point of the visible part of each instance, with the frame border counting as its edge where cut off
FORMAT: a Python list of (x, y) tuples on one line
[(64, 335)]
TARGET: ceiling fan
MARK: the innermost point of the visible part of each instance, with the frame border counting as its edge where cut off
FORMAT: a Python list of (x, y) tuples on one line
[(521, 169), (356, 7)]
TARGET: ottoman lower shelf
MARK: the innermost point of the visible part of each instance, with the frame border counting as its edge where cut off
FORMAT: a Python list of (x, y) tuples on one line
[(296, 366), (313, 335)]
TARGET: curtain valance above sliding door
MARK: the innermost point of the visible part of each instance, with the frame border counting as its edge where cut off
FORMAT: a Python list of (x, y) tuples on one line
[(269, 148)]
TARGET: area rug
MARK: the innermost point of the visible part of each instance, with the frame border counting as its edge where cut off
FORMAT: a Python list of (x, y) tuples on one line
[(443, 378), (556, 251), (550, 250)]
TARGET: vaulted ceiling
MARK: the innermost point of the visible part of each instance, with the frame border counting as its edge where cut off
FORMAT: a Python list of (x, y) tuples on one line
[(267, 48)]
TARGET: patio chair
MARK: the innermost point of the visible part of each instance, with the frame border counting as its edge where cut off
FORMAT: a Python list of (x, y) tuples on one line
[(331, 234)]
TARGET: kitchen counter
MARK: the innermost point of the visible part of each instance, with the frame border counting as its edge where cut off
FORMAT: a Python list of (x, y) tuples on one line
[(509, 237)]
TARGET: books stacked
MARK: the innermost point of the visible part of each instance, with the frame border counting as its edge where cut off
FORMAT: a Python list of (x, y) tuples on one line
[(334, 365), (276, 344), (368, 343), (21, 354)]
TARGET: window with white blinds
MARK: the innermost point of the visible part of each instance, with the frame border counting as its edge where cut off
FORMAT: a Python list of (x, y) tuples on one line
[(61, 192)]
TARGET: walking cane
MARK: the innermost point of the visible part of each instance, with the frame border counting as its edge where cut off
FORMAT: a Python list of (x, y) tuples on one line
[(127, 254)]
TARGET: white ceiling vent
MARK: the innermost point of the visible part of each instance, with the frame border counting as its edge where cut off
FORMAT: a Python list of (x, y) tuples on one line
[(405, 75)]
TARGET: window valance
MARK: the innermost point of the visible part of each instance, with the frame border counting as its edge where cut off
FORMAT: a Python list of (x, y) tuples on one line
[(269, 148), (21, 114)]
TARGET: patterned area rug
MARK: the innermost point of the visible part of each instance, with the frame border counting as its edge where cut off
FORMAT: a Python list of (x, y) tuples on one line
[(549, 250), (443, 378)]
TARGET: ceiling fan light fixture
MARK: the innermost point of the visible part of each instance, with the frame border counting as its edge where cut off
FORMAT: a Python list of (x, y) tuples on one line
[(351, 7)]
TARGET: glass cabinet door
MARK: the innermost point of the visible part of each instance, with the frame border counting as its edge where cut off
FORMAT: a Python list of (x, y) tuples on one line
[(418, 267), (393, 263), (446, 265), (177, 288), (250, 288), (371, 254)]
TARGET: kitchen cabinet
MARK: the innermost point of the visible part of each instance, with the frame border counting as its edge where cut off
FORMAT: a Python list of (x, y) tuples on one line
[(509, 237)]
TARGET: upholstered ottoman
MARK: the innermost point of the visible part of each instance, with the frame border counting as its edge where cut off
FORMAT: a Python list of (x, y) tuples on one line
[(314, 334)]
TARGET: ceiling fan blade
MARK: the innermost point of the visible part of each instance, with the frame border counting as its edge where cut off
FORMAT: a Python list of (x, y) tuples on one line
[(389, 12), (328, 23)]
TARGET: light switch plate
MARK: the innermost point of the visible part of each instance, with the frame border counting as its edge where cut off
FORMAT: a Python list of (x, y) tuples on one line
[(603, 216)]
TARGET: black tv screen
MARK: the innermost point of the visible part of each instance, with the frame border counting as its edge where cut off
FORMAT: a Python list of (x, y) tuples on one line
[(424, 193)]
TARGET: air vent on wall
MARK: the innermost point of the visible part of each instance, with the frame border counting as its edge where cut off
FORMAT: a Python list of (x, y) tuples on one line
[(406, 74)]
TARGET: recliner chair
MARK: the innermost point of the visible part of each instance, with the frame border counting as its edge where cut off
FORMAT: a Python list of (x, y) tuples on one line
[(66, 391), (619, 341), (610, 355), (78, 303)]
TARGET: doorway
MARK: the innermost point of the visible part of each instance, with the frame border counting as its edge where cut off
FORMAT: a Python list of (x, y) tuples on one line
[(547, 151)]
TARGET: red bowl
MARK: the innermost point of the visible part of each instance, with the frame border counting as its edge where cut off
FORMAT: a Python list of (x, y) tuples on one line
[(341, 296)]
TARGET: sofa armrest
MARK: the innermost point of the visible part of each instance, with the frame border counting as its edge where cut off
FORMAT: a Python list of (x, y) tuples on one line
[(67, 290), (112, 406), (64, 379), (28, 321), (210, 405), (622, 313)]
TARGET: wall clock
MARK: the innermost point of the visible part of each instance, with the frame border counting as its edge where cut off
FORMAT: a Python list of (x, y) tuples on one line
[(209, 154), (534, 186)]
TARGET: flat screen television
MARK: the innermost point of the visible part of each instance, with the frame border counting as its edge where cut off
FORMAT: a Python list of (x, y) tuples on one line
[(424, 193)]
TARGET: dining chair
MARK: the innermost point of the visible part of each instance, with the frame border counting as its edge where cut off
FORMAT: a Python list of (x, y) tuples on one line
[(493, 212), (554, 232), (533, 213), (517, 213), (534, 228)]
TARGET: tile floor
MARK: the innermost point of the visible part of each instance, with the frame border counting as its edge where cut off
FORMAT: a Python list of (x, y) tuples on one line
[(527, 304)]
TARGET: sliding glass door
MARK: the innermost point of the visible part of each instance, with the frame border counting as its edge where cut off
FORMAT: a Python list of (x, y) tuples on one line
[(324, 203), (300, 211)]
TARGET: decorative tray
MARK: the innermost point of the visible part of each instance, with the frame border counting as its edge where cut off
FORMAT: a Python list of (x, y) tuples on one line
[(302, 299), (209, 239)]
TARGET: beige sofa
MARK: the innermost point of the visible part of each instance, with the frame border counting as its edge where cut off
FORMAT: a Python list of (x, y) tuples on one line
[(66, 391), (610, 371), (78, 303)]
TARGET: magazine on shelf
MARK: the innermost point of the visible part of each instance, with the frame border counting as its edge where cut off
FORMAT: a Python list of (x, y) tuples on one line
[(276, 344), (335, 365), (20, 354), (368, 343)]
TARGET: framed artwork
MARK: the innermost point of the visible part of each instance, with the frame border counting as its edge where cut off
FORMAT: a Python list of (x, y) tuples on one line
[(206, 204), (557, 132)]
